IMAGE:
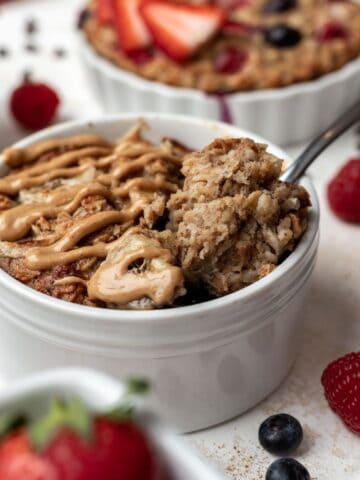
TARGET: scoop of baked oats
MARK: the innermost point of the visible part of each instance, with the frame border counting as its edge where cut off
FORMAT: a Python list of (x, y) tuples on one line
[(233, 220)]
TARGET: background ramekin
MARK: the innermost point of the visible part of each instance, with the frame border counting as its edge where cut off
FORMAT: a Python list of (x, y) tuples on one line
[(210, 361), (283, 115), (100, 393)]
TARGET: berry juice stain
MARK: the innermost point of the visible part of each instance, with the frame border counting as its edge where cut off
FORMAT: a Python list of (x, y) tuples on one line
[(224, 108)]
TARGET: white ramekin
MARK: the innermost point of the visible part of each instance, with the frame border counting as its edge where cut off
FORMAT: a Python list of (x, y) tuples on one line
[(31, 396), (283, 115), (210, 361)]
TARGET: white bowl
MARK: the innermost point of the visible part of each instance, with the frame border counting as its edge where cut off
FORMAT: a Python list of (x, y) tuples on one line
[(99, 392), (210, 361), (283, 115)]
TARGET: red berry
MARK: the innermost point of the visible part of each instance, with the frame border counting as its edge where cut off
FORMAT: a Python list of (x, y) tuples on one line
[(344, 192), (116, 451), (34, 105), (341, 382), (19, 462), (331, 31), (230, 60), (131, 29), (104, 11), (141, 56), (180, 29)]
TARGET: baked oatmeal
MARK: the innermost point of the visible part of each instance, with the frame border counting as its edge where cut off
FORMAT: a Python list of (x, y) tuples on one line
[(132, 224), (226, 45)]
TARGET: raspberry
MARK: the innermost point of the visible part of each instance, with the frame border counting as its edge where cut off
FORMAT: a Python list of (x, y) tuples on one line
[(34, 105), (331, 31), (230, 60), (141, 56), (341, 382), (344, 192)]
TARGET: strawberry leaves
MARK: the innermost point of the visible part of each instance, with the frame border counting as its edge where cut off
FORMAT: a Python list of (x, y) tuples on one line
[(11, 422), (135, 387), (72, 414)]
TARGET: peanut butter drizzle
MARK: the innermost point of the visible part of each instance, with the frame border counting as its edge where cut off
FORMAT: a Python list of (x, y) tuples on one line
[(148, 185), (61, 253), (12, 184), (16, 222), (16, 157), (40, 259), (71, 280), (112, 282), (25, 183), (130, 166)]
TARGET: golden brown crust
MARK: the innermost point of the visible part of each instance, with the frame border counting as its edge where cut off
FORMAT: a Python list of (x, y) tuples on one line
[(266, 67)]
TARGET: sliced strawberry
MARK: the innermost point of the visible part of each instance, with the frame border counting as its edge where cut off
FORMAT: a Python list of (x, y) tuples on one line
[(180, 29), (132, 31), (341, 382), (104, 11)]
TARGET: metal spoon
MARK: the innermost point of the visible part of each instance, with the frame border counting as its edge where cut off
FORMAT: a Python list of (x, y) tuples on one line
[(343, 123)]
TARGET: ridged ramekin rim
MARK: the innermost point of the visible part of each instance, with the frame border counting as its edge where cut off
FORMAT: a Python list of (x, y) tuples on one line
[(126, 316)]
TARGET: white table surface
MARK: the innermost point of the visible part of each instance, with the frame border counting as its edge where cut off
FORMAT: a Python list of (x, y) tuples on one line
[(332, 313)]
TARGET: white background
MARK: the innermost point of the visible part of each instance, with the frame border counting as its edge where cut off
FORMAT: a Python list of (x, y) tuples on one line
[(331, 316)]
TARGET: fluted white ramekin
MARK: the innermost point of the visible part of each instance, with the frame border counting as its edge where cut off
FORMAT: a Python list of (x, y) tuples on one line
[(283, 115), (31, 396), (210, 361)]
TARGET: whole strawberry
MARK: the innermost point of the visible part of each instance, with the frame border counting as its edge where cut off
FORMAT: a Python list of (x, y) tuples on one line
[(116, 450), (344, 192), (70, 444), (34, 105), (341, 382)]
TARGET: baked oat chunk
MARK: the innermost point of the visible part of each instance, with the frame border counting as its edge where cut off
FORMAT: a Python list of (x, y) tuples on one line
[(233, 220), (311, 38)]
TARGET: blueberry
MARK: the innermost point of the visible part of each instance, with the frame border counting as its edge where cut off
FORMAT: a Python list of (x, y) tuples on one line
[(287, 469), (280, 434), (276, 6), (282, 36)]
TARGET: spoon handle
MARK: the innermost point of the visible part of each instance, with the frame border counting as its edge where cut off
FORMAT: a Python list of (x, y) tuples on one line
[(299, 166)]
